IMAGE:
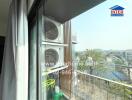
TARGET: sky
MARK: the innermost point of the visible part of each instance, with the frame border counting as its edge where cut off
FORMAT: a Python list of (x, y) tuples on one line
[(97, 29)]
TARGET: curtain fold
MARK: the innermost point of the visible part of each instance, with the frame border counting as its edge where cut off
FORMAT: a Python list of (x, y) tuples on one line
[(14, 76)]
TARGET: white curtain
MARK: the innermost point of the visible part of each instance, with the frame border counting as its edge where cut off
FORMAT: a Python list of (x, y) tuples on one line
[(14, 77)]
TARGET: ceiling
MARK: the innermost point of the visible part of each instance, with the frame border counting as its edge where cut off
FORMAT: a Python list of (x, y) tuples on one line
[(4, 8), (64, 10)]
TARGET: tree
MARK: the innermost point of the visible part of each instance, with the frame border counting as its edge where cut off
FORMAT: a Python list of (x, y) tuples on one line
[(90, 59)]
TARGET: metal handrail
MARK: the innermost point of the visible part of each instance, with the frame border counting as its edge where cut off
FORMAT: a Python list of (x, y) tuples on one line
[(104, 79)]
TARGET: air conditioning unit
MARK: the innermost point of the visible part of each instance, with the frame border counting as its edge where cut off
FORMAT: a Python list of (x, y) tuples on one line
[(54, 56), (53, 31)]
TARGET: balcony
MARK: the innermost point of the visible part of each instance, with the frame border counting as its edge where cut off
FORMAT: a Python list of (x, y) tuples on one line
[(90, 87)]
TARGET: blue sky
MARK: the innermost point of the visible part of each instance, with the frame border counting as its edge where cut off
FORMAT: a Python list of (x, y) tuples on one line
[(96, 29)]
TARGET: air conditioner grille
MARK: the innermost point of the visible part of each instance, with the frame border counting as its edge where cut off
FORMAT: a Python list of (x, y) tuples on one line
[(51, 30), (51, 57)]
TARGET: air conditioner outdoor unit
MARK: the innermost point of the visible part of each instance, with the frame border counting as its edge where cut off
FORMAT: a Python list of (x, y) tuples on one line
[(53, 31), (54, 56)]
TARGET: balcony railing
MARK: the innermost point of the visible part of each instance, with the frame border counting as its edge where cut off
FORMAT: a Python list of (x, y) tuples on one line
[(90, 87)]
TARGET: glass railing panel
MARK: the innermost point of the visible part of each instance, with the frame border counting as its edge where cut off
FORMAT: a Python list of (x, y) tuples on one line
[(90, 87)]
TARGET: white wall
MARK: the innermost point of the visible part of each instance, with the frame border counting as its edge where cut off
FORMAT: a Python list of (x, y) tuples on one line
[(4, 9), (3, 29)]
